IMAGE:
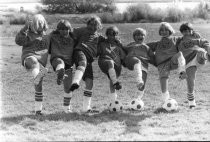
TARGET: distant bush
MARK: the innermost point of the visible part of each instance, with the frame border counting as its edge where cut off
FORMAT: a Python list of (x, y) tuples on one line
[(75, 6), (19, 18), (144, 13)]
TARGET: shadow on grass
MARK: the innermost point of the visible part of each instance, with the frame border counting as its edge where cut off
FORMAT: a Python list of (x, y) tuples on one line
[(130, 120)]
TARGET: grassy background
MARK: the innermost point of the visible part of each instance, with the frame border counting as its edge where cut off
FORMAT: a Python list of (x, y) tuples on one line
[(18, 122)]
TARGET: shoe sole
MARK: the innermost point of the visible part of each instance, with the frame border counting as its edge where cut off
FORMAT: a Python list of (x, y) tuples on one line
[(41, 74), (74, 87)]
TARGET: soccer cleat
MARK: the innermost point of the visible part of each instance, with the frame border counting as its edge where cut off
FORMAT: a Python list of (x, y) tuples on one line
[(38, 113), (92, 111), (117, 86), (192, 104), (74, 86), (41, 74), (69, 110), (60, 76), (182, 75)]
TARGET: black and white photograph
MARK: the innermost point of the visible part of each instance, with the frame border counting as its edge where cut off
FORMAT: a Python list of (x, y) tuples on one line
[(104, 70)]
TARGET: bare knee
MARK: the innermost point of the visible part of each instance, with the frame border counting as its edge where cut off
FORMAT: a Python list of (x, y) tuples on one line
[(110, 64), (31, 62)]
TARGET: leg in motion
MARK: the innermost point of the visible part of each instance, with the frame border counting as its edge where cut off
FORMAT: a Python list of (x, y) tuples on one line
[(191, 73)]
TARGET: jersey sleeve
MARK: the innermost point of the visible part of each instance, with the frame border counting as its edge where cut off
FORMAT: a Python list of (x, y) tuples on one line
[(152, 45), (22, 38)]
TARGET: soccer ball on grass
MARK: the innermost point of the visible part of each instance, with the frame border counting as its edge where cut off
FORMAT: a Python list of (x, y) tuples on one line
[(170, 105), (115, 106), (136, 104)]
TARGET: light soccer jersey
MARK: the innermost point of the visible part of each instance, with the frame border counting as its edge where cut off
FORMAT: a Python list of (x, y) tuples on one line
[(164, 49), (61, 47), (141, 51), (190, 45), (87, 41), (33, 45), (113, 52)]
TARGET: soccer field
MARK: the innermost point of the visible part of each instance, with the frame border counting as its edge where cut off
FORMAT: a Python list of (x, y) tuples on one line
[(18, 122)]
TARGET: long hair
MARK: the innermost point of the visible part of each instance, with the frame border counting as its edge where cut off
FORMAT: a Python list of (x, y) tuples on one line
[(97, 20), (37, 21), (167, 26)]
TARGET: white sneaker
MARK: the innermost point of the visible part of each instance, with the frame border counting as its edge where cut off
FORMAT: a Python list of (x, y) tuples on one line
[(68, 109), (192, 104), (41, 74)]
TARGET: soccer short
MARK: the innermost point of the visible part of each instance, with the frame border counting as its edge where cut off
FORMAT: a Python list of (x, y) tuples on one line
[(165, 68), (130, 61), (104, 65), (197, 61), (88, 72), (56, 61)]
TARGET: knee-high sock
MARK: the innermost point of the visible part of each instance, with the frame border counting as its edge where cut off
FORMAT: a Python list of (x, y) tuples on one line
[(78, 74), (112, 75), (140, 94), (87, 99), (181, 63), (138, 72), (67, 100), (113, 97), (190, 96), (38, 101), (165, 96), (35, 72)]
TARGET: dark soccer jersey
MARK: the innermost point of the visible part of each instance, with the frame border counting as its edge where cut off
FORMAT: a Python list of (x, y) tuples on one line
[(164, 49), (111, 51), (87, 41), (33, 45), (138, 50), (61, 47)]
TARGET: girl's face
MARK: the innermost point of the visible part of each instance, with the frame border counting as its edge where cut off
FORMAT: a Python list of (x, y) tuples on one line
[(187, 32), (64, 33), (164, 32), (40, 28), (112, 36), (93, 26), (139, 38)]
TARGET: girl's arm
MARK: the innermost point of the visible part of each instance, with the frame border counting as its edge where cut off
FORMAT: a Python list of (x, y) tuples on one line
[(152, 45), (22, 36), (152, 60)]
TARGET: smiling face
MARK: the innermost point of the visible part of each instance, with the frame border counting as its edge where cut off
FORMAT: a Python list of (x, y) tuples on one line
[(164, 32), (93, 26), (139, 37), (187, 32), (112, 35), (64, 32)]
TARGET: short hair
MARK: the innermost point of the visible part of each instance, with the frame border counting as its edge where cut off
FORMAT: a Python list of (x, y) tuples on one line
[(114, 29), (167, 26), (64, 25), (37, 21), (186, 26), (139, 31), (95, 19)]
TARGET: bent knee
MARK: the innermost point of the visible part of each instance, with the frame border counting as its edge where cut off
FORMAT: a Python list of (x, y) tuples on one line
[(31, 62)]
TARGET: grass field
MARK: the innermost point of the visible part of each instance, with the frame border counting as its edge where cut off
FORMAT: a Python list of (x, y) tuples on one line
[(18, 122)]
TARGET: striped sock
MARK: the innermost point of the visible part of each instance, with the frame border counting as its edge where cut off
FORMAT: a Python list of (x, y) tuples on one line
[(190, 96), (38, 101), (87, 99), (66, 101)]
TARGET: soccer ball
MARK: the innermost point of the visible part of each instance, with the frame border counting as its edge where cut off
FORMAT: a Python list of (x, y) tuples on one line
[(115, 106), (170, 105), (136, 104)]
